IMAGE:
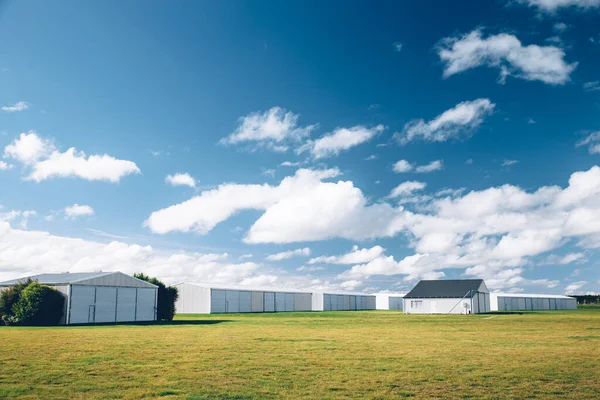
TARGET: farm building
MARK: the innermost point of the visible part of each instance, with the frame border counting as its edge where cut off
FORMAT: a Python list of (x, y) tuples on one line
[(100, 297), (199, 298), (457, 296), (208, 298), (342, 301), (389, 301), (531, 302)]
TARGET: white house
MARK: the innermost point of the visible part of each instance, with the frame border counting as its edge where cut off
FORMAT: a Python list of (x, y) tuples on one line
[(456, 296)]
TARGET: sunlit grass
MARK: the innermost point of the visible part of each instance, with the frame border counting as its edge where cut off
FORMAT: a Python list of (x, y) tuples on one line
[(369, 354)]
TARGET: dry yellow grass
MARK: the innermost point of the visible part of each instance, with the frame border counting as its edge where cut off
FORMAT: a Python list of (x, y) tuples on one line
[(311, 355)]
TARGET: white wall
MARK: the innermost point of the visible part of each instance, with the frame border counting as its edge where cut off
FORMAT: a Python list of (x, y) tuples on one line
[(317, 301), (438, 306), (192, 299)]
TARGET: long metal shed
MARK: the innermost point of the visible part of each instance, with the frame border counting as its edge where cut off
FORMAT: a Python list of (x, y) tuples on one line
[(448, 296), (389, 301), (208, 298), (100, 297), (531, 302), (333, 301)]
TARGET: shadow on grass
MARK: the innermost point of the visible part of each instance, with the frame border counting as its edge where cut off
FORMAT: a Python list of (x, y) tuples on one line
[(140, 323)]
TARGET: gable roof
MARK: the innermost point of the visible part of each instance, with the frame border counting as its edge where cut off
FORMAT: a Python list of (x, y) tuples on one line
[(112, 278), (447, 288)]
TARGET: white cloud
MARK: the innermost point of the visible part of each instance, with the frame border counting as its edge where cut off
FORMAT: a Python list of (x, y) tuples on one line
[(18, 106), (591, 86), (289, 254), (593, 140), (290, 164), (181, 179), (571, 257), (340, 139), (29, 148), (560, 27), (545, 282), (356, 256), (551, 6), (14, 214), (402, 166), (508, 163), (505, 51), (45, 161), (431, 167), (4, 166), (574, 287), (76, 210), (398, 46), (307, 268), (274, 129), (371, 157), (406, 188), (459, 121)]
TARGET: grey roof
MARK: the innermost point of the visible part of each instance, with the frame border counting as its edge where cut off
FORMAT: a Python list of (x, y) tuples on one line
[(58, 279), (448, 288)]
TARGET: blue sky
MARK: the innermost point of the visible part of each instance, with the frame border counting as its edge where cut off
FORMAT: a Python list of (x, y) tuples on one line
[(495, 103)]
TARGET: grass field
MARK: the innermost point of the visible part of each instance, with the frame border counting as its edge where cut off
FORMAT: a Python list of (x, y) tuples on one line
[(368, 354)]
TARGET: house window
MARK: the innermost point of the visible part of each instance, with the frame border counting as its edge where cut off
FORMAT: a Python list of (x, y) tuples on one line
[(416, 304)]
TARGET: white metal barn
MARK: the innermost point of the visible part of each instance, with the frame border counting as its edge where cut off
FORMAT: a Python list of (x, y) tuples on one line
[(389, 301), (100, 297), (531, 302), (455, 296), (342, 301), (207, 298)]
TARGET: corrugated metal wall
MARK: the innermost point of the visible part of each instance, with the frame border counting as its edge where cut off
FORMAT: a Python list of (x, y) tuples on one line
[(535, 304)]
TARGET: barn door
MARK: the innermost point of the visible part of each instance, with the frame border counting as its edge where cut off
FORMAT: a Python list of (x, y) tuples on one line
[(91, 314)]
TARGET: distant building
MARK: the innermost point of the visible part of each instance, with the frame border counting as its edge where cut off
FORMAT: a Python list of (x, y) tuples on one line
[(100, 297), (389, 301), (531, 302), (456, 296)]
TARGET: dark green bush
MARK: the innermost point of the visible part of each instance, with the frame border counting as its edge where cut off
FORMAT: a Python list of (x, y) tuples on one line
[(9, 297), (38, 305), (167, 296)]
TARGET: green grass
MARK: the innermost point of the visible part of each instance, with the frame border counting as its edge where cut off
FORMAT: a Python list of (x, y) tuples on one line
[(368, 354)]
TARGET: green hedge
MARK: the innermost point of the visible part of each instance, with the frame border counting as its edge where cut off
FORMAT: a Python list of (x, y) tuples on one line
[(30, 303), (167, 296)]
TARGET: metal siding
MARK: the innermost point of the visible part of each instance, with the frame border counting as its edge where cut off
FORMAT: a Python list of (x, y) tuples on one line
[(232, 301), (279, 301), (269, 302), (258, 301), (116, 279), (317, 301), (347, 303), (353, 302), (370, 303), (340, 302), (146, 304), (82, 298), (363, 302), (302, 301), (245, 301), (289, 302), (125, 304), (218, 301), (106, 304), (326, 302)]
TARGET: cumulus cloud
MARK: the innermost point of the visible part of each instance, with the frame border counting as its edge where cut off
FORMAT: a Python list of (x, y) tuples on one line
[(504, 51), (273, 129), (492, 233), (356, 256), (402, 166), (574, 287), (181, 179), (592, 141), (431, 167), (545, 282), (5, 166), (551, 6), (18, 106), (45, 161), (406, 188), (76, 210), (339, 140), (459, 121), (289, 254)]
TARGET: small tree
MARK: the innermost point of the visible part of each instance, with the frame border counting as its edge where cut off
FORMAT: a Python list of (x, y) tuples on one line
[(167, 296), (9, 297), (39, 305)]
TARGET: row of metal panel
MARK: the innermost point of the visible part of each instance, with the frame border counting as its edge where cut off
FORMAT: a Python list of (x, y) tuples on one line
[(345, 302), (101, 304), (531, 304), (395, 303), (240, 301)]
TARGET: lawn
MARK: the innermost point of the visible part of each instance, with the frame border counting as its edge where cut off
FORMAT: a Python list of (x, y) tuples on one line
[(361, 354)]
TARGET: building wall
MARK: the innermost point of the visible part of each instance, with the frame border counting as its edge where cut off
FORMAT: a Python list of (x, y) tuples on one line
[(317, 301), (438, 306), (192, 299), (348, 302), (531, 303)]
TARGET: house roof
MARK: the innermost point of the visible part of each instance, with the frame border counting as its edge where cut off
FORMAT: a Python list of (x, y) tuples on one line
[(448, 288), (111, 278)]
